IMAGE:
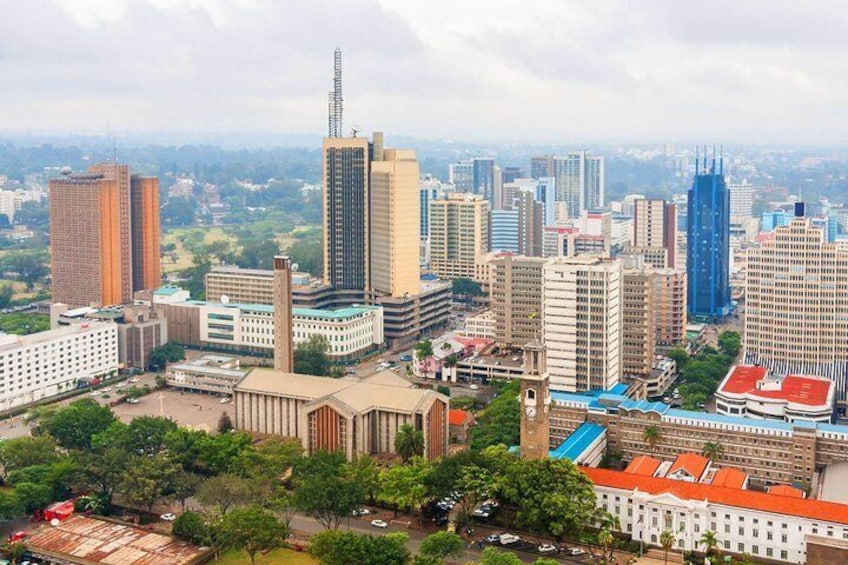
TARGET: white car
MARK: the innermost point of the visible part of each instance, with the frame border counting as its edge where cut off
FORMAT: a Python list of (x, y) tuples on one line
[(225, 400), (474, 387), (95, 393), (133, 401), (379, 524), (547, 548), (507, 539), (134, 380), (575, 551), (168, 517)]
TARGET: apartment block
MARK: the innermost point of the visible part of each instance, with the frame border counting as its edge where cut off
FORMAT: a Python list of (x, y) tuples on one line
[(582, 322), (655, 227)]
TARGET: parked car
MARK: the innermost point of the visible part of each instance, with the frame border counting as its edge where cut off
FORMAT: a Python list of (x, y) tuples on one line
[(133, 400), (547, 548), (575, 551), (406, 358), (224, 400), (362, 512), (508, 538), (379, 524), (169, 517), (474, 387), (494, 538)]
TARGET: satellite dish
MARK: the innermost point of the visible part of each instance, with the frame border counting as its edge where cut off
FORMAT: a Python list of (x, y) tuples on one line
[(354, 129), (295, 266), (54, 522), (225, 299)]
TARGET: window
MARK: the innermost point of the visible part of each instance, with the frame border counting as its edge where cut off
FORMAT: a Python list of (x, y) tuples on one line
[(783, 538), (726, 544), (784, 554)]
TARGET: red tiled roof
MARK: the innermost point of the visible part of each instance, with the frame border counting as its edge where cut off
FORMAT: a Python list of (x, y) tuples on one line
[(692, 463), (786, 490), (730, 478), (810, 391), (643, 465), (459, 417), (765, 502)]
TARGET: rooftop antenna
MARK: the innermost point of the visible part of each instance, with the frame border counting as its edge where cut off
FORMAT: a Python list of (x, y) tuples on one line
[(112, 140), (721, 160), (335, 118), (697, 159)]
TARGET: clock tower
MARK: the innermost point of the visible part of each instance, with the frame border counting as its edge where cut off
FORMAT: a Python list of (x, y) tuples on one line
[(535, 403)]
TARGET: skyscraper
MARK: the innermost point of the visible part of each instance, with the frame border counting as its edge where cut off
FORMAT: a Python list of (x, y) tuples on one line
[(593, 183), (531, 220), (796, 313), (516, 297), (394, 246), (504, 230), (579, 181), (541, 166), (104, 236), (346, 198), (655, 227), (741, 199), (429, 189), (708, 243), (484, 177), (461, 175), (582, 322)]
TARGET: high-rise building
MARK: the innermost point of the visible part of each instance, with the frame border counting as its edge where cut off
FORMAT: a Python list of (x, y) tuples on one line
[(510, 174), (394, 246), (653, 316), (582, 322), (541, 166), (741, 198), (530, 223), (546, 194), (430, 189), (104, 236), (459, 234), (593, 185), (655, 227), (484, 177), (773, 219), (796, 318), (346, 242), (461, 175), (516, 297), (708, 241), (579, 181), (504, 230)]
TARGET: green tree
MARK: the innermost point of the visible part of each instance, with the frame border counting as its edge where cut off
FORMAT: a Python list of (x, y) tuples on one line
[(254, 529), (6, 294), (225, 423), (269, 458), (553, 496), (324, 490), (30, 267), (679, 356), (32, 496), (494, 556), (10, 506), (183, 447), (101, 472), (224, 492), (311, 358), (423, 350), (144, 435), (219, 453), (730, 343), (667, 541), (442, 544), (22, 452), (500, 423), (168, 353), (546, 561), (76, 424), (364, 470), (333, 547), (405, 485), (709, 541), (15, 551), (605, 540), (466, 288), (652, 436), (409, 442), (146, 480), (190, 526), (194, 278), (257, 254), (308, 253), (182, 485), (713, 451)]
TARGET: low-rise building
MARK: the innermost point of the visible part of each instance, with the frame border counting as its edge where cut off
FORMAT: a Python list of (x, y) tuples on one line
[(210, 373), (484, 368), (351, 332), (44, 364), (351, 415), (461, 422), (763, 525), (750, 390), (481, 325)]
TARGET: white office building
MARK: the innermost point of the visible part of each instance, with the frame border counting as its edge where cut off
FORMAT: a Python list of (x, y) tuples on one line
[(44, 364)]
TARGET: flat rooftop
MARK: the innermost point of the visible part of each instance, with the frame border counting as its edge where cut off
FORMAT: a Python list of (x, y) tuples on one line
[(579, 441), (754, 380), (86, 540), (11, 341)]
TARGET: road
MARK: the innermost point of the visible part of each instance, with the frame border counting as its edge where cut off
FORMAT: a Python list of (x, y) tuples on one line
[(307, 527)]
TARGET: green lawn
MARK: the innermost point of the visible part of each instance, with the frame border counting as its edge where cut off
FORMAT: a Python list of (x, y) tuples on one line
[(286, 556)]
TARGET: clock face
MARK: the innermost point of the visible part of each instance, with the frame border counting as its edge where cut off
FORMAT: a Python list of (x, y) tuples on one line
[(530, 411)]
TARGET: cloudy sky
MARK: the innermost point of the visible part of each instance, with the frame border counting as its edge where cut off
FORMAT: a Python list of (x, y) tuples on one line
[(768, 71)]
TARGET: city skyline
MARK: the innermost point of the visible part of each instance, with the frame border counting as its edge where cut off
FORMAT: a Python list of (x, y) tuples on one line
[(434, 70)]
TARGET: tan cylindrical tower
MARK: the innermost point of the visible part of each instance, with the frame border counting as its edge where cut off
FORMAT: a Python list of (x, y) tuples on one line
[(283, 345)]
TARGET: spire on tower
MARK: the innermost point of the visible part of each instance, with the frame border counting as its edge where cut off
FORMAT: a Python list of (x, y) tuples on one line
[(335, 109)]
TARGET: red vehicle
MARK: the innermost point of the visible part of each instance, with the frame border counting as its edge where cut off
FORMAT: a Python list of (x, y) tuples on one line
[(18, 536)]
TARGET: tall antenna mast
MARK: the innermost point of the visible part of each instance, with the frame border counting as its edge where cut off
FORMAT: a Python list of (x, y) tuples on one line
[(337, 93)]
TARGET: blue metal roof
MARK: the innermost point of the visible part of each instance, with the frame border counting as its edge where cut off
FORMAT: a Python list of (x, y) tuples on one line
[(620, 389), (578, 442), (730, 420), (645, 406), (569, 397)]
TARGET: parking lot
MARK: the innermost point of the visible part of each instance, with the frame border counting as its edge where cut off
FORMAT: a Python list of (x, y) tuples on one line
[(193, 410)]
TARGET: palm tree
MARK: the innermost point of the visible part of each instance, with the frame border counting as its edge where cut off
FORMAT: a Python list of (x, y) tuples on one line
[(709, 541), (667, 542), (713, 450), (409, 442), (605, 540), (652, 436)]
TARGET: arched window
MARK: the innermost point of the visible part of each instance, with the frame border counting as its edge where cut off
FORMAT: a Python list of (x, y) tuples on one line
[(531, 394)]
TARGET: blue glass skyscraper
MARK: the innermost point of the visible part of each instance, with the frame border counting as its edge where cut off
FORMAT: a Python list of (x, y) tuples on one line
[(708, 243)]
